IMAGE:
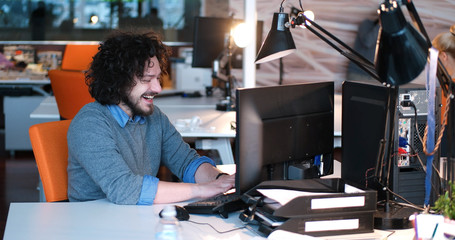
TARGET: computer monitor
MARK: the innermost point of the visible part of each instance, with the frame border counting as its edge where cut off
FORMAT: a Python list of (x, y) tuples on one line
[(209, 40), (283, 132), (364, 120)]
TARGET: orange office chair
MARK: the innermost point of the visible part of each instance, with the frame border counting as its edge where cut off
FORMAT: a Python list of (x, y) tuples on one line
[(50, 148), (77, 57), (70, 91)]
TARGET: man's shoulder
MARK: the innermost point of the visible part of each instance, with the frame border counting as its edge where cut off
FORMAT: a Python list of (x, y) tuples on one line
[(92, 108), (92, 112)]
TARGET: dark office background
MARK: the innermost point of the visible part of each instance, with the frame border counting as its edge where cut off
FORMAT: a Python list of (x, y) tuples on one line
[(89, 20)]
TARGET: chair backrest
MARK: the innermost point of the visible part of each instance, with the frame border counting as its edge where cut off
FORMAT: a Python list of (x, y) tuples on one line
[(77, 57), (70, 91), (50, 148)]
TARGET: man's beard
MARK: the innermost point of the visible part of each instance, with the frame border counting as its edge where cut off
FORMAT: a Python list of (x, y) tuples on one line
[(135, 109)]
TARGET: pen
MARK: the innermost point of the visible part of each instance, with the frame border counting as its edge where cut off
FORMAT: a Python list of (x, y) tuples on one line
[(434, 231)]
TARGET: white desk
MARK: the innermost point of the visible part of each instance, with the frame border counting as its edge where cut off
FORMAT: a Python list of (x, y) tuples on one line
[(214, 130), (16, 89), (104, 220)]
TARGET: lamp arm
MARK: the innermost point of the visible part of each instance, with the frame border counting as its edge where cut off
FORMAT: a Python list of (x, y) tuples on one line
[(416, 19), (351, 54)]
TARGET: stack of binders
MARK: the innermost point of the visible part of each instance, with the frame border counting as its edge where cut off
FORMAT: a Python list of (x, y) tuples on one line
[(327, 207)]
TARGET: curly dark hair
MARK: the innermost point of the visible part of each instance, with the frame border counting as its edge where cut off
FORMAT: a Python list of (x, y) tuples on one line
[(122, 56)]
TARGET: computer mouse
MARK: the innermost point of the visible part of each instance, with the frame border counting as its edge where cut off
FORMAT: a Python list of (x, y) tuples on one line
[(182, 213)]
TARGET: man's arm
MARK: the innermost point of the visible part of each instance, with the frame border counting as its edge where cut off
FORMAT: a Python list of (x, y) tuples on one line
[(168, 192), (155, 191), (206, 173), (207, 186)]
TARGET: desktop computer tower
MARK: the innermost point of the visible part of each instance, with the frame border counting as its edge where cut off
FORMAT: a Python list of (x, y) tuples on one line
[(364, 112)]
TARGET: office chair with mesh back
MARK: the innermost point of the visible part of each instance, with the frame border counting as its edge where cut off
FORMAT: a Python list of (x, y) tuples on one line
[(50, 148), (70, 91)]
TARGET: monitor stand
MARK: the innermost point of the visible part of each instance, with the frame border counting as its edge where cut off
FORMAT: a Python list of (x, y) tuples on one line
[(226, 104)]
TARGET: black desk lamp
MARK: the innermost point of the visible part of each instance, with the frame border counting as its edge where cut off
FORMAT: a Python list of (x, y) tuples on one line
[(279, 41), (401, 55)]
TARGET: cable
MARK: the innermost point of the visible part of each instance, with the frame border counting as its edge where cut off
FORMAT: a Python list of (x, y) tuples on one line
[(422, 141), (408, 203), (441, 132), (416, 125), (216, 230), (418, 158), (368, 177), (416, 154), (423, 165), (424, 169)]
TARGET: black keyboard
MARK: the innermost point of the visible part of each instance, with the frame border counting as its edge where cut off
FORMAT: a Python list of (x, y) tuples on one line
[(221, 204)]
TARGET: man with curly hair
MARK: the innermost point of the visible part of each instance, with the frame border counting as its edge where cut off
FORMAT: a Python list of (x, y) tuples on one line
[(117, 143)]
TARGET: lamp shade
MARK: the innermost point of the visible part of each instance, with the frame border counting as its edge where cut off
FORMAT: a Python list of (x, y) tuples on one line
[(401, 51), (279, 42)]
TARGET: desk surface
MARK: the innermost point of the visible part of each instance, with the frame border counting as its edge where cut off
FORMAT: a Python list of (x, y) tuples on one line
[(24, 81), (104, 220), (101, 219), (27, 78)]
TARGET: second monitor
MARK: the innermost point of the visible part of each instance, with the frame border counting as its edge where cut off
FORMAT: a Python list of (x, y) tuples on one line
[(209, 40)]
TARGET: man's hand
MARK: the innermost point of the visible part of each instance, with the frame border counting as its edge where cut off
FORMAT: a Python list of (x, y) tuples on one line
[(206, 186), (218, 186)]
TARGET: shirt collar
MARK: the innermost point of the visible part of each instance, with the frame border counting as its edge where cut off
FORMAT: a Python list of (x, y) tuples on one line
[(122, 118)]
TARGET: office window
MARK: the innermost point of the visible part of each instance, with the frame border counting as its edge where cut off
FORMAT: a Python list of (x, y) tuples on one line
[(91, 19)]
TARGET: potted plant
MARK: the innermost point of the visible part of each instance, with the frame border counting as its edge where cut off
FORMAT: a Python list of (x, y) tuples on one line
[(445, 205)]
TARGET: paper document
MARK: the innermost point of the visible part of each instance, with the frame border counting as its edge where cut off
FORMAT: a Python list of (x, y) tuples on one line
[(283, 196)]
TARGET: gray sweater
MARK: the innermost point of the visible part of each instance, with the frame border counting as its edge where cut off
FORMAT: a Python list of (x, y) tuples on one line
[(108, 161)]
